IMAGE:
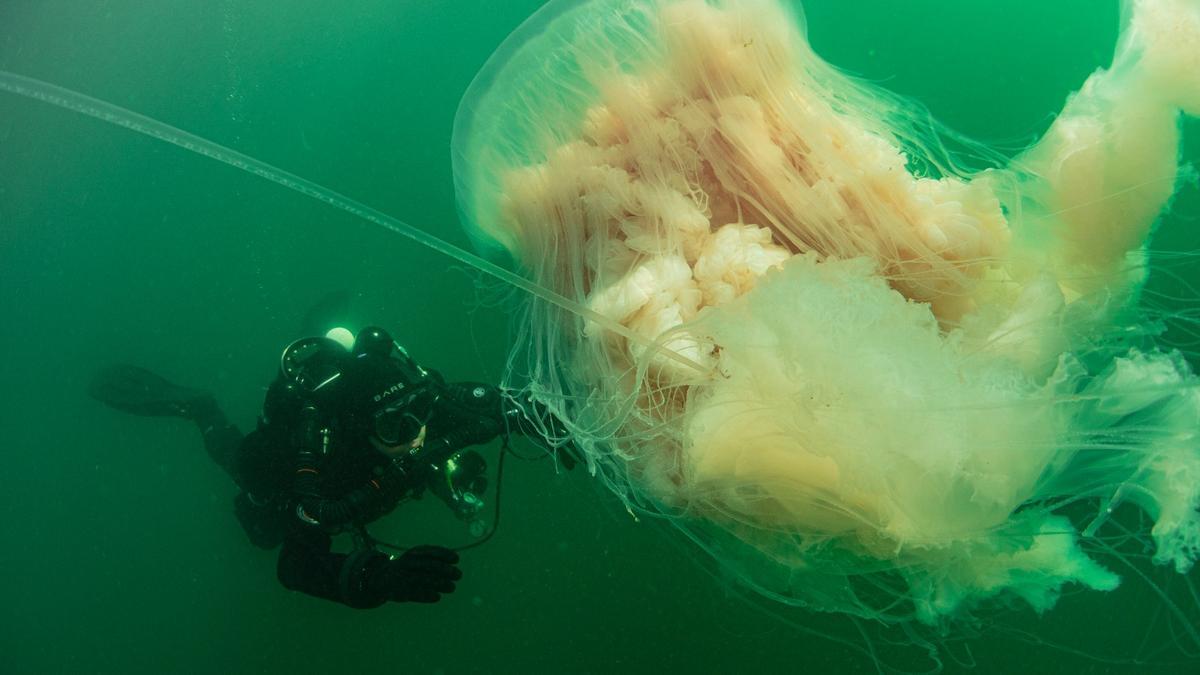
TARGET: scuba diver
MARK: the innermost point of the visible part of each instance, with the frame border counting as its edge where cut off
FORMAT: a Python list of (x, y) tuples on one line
[(349, 428)]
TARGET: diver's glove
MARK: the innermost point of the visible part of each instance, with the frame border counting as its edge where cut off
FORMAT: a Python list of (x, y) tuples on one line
[(421, 574)]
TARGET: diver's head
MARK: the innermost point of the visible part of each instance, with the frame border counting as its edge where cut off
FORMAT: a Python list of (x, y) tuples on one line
[(388, 396), (390, 408)]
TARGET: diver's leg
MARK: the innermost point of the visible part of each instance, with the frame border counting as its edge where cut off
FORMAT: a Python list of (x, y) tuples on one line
[(138, 391), (222, 439), (222, 445)]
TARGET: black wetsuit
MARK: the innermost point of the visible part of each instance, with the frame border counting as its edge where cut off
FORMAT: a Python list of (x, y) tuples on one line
[(354, 484)]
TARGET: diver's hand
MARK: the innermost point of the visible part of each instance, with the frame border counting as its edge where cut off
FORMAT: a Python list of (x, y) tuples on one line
[(421, 574)]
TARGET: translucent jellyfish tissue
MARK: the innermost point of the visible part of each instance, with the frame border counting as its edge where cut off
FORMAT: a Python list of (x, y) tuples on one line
[(864, 378)]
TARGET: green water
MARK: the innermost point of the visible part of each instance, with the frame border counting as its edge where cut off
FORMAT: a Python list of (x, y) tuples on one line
[(121, 554)]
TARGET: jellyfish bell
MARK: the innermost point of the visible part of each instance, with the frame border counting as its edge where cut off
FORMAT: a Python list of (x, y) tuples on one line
[(865, 380)]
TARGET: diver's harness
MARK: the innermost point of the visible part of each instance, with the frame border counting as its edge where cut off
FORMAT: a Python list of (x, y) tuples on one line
[(401, 478)]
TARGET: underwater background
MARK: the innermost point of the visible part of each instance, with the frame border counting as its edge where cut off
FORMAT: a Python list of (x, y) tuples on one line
[(120, 550)]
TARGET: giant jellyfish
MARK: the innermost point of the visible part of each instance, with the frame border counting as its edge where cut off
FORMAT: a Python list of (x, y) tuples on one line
[(865, 374)]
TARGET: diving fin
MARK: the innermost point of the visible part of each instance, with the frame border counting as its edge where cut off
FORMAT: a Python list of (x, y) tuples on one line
[(138, 391)]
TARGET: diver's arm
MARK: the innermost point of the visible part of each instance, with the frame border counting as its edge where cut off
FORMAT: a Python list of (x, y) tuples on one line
[(306, 564), (376, 497), (467, 413), (477, 398), (364, 579), (466, 433), (481, 412)]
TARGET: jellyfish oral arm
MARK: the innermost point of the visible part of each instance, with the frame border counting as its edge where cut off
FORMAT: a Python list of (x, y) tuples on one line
[(1109, 164)]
